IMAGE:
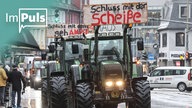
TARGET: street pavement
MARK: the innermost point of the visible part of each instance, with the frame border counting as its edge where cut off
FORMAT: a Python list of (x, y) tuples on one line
[(31, 98), (161, 98), (171, 98)]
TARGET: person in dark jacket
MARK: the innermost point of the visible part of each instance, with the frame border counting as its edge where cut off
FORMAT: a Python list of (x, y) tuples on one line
[(16, 78)]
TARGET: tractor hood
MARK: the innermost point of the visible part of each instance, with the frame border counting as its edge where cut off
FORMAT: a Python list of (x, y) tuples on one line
[(111, 70)]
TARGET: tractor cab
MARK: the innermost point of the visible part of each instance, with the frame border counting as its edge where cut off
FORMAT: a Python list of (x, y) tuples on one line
[(110, 49)]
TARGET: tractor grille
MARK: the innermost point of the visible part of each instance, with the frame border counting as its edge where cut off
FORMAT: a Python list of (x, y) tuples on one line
[(113, 71)]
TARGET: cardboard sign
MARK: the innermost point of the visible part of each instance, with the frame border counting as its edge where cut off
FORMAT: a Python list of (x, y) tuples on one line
[(68, 30), (125, 13)]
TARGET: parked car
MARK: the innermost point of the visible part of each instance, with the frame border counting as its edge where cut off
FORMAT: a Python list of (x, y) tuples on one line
[(171, 77)]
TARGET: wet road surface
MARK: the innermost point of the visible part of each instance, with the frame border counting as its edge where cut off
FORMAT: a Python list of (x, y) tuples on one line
[(171, 98), (31, 98), (161, 98)]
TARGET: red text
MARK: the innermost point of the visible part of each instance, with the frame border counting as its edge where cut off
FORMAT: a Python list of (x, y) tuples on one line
[(120, 18)]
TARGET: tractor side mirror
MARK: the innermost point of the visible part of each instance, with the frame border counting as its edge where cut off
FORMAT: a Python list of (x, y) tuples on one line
[(86, 54), (43, 56), (75, 48), (51, 48), (140, 45)]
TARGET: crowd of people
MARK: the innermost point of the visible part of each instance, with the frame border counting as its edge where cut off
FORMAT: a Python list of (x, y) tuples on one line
[(11, 76)]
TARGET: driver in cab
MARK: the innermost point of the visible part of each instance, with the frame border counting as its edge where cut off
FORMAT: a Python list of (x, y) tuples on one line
[(109, 48)]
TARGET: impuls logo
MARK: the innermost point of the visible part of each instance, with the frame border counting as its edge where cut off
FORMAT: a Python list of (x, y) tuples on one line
[(29, 17)]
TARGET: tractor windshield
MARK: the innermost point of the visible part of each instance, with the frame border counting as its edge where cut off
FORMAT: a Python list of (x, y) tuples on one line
[(110, 49), (68, 50), (39, 64)]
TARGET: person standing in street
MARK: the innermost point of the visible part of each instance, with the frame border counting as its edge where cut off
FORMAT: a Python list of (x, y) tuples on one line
[(16, 78), (3, 78)]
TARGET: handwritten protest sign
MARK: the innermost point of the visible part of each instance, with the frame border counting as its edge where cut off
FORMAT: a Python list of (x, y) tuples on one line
[(68, 30), (124, 13)]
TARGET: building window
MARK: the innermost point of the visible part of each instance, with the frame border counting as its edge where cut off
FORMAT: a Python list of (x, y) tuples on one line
[(164, 38), (180, 39), (153, 14), (183, 11)]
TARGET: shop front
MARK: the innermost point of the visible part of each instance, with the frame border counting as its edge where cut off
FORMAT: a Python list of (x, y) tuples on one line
[(172, 58), (177, 58)]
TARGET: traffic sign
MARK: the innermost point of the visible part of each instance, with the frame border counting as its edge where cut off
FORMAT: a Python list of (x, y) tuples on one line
[(155, 46), (151, 57)]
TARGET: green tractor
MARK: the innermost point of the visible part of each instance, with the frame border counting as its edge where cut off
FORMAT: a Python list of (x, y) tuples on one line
[(55, 74), (98, 73), (107, 75)]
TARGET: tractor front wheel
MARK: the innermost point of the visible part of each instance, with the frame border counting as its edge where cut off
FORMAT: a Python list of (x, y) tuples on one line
[(84, 95), (142, 94), (58, 92), (44, 93)]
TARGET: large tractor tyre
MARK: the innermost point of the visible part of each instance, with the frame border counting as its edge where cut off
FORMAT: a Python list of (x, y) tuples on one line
[(142, 95), (84, 95), (44, 93), (58, 92)]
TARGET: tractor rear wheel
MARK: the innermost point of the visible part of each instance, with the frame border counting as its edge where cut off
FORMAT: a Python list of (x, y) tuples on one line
[(142, 94), (84, 95), (44, 92), (58, 92)]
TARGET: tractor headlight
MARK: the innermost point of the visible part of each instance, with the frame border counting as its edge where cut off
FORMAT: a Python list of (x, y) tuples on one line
[(119, 83), (108, 83), (37, 79)]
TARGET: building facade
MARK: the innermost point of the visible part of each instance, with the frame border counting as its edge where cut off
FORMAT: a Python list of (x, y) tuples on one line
[(148, 32), (173, 35), (69, 12)]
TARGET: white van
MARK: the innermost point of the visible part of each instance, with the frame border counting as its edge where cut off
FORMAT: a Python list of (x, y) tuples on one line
[(171, 77)]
